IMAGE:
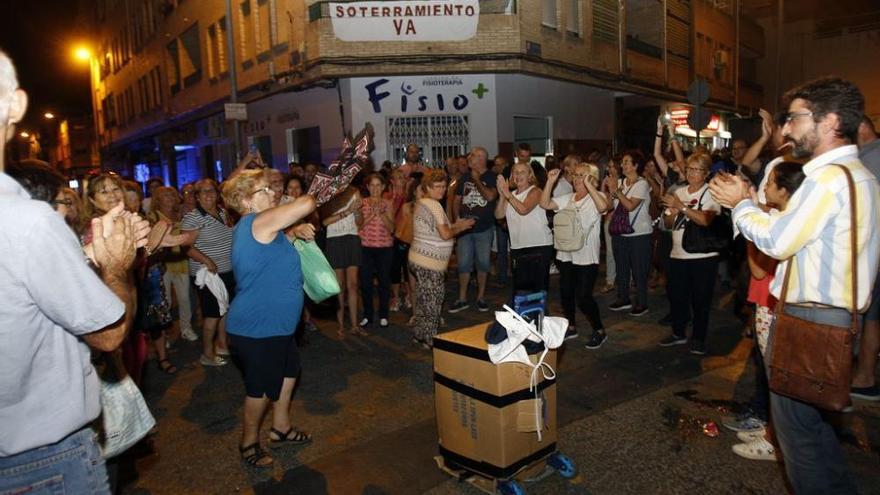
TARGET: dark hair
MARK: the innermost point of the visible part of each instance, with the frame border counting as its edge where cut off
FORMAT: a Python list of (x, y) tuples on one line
[(40, 180), (524, 147), (638, 159), (788, 176), (302, 182), (869, 123), (833, 95)]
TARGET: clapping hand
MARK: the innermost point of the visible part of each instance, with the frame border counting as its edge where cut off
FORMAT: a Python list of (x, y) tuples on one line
[(113, 241), (672, 202), (502, 185), (553, 176), (728, 190)]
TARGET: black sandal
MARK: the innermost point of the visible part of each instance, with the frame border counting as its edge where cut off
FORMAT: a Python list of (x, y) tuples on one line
[(292, 437), (166, 366), (257, 457)]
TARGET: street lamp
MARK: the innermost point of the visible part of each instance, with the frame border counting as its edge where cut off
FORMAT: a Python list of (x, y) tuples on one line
[(49, 115), (82, 53)]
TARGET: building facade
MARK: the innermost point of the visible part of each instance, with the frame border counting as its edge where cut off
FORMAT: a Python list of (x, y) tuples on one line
[(563, 75)]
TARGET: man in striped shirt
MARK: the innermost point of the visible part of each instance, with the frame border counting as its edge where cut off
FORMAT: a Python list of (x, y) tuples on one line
[(822, 122)]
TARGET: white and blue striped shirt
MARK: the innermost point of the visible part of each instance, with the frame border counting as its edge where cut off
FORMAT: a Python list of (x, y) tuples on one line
[(815, 229)]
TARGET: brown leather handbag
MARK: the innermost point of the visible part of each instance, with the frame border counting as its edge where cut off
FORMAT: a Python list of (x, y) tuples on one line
[(812, 362)]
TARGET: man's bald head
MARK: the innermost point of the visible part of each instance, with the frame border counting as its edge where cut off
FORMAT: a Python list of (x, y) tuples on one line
[(13, 103), (8, 84)]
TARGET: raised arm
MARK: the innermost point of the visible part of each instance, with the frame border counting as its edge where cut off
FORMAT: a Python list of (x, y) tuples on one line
[(546, 199), (750, 159), (268, 223)]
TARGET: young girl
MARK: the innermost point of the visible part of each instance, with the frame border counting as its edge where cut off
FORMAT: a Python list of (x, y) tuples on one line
[(783, 180)]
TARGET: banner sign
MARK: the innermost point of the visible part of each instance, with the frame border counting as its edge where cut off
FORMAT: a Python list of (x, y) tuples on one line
[(419, 20)]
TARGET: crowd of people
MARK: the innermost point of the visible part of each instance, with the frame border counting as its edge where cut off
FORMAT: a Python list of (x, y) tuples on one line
[(222, 255)]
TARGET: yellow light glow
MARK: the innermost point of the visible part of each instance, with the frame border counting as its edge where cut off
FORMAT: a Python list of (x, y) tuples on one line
[(49, 115), (82, 53), (24, 135)]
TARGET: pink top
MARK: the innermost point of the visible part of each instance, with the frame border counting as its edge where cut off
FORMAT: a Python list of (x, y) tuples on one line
[(373, 232)]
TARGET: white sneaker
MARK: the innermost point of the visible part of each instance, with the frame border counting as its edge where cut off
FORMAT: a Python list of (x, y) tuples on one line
[(750, 436), (217, 361), (757, 450), (554, 270), (364, 322), (188, 334), (383, 322)]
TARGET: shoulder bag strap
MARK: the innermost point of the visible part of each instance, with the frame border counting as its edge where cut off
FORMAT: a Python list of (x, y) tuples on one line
[(853, 255)]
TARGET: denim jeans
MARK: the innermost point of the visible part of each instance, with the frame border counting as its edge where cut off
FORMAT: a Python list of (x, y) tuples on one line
[(814, 461), (72, 466), (475, 247)]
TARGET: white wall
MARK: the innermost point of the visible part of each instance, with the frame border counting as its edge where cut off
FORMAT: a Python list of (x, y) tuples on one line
[(316, 107), (578, 111)]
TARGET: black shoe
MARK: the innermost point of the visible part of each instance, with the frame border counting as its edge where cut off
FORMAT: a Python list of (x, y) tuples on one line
[(571, 333), (698, 347), (619, 306), (666, 320), (596, 340), (673, 340)]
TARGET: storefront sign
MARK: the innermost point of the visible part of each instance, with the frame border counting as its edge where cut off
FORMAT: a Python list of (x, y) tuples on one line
[(679, 117), (431, 94), (425, 20)]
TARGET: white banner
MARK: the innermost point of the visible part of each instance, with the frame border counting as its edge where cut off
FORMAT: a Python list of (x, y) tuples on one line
[(425, 20)]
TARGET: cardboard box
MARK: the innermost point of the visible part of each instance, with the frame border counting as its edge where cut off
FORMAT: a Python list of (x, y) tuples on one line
[(485, 412)]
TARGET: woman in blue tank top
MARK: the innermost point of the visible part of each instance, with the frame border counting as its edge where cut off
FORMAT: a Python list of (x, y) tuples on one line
[(266, 308)]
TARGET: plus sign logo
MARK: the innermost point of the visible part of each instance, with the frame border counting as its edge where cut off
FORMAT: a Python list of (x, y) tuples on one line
[(480, 90)]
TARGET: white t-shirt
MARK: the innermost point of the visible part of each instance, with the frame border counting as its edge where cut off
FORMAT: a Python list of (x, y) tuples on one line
[(591, 222), (692, 199), (528, 230), (562, 187), (640, 217), (346, 225)]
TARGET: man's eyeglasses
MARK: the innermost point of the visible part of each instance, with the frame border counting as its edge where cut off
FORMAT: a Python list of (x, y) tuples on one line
[(58, 202), (793, 115), (265, 189), (207, 191)]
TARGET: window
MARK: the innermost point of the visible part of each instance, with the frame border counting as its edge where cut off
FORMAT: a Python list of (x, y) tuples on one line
[(549, 14), (246, 32), (190, 56), (573, 21), (173, 65), (605, 24), (223, 65), (156, 84), (643, 33), (536, 132), (108, 107), (263, 27), (439, 137), (213, 56)]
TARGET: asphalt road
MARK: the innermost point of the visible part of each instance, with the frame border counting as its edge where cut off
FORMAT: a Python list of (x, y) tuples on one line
[(630, 417)]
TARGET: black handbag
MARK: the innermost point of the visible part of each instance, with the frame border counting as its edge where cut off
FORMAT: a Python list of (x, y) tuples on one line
[(710, 239)]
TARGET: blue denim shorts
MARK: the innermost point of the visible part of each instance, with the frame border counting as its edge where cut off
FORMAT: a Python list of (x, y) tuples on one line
[(73, 465), (475, 246)]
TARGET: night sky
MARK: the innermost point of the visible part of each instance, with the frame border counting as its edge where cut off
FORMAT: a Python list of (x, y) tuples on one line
[(38, 36)]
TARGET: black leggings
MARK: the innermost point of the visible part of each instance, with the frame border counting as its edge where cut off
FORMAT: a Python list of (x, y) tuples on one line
[(531, 268), (576, 287)]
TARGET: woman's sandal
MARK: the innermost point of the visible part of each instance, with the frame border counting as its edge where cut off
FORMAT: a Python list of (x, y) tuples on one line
[(257, 456), (166, 366), (359, 331), (292, 437)]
